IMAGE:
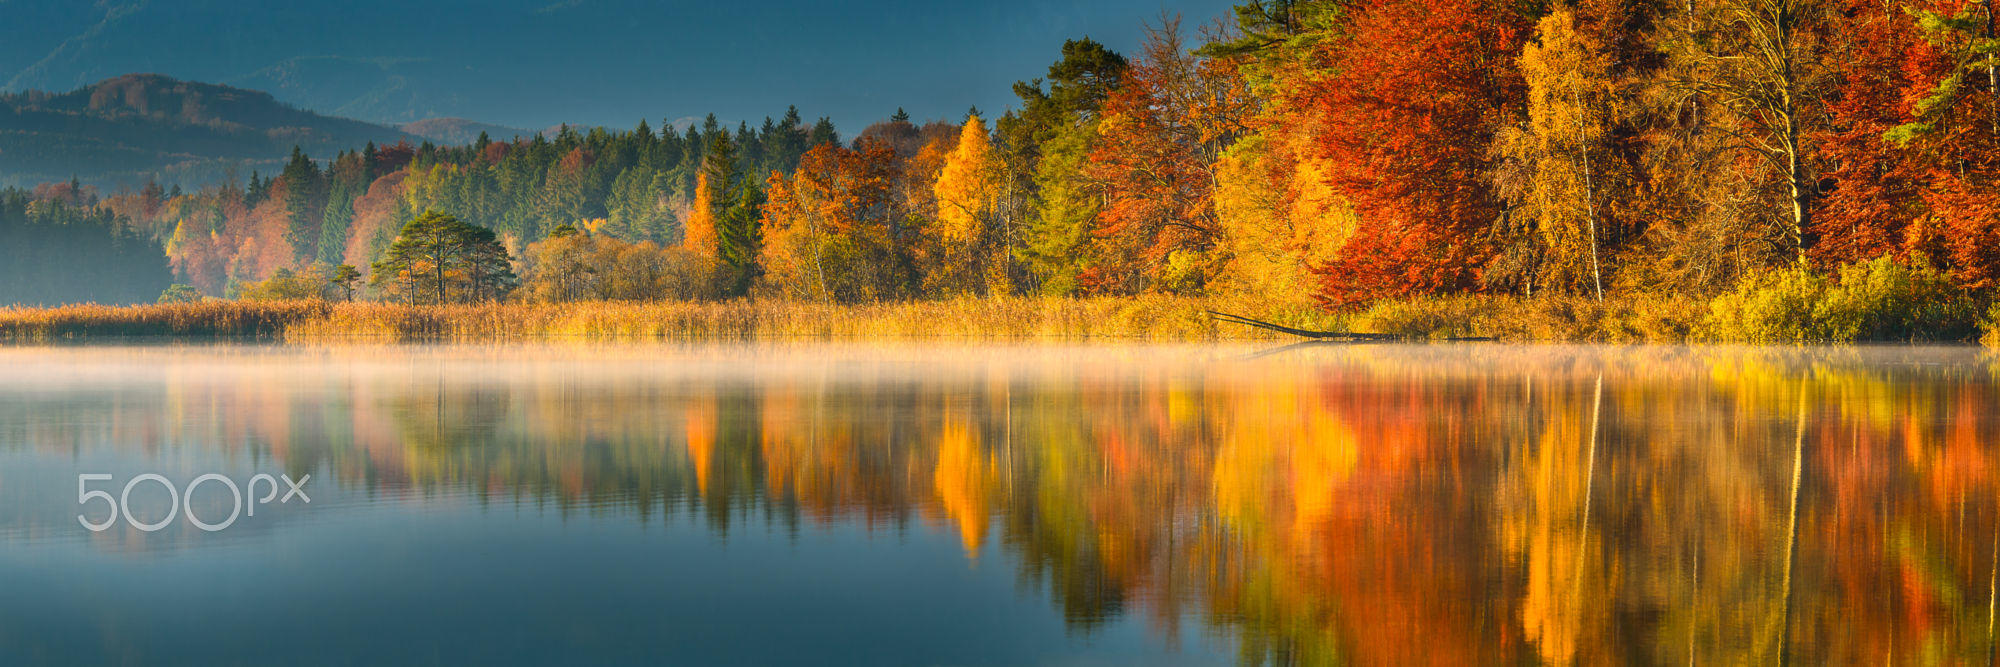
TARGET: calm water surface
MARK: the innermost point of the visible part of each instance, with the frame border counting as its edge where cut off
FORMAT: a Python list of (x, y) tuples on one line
[(1006, 505)]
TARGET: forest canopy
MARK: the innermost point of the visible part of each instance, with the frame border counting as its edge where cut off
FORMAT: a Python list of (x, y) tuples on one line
[(57, 246), (1325, 153)]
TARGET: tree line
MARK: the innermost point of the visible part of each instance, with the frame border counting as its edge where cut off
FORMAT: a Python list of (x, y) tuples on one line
[(57, 246), (1327, 152)]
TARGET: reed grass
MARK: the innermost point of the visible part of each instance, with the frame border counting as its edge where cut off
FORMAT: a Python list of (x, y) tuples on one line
[(1147, 318), (1627, 318), (208, 319)]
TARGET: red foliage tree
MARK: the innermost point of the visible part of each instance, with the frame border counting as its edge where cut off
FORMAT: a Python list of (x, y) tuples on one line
[(392, 157), (1877, 188), (1417, 91), (495, 152), (1911, 170)]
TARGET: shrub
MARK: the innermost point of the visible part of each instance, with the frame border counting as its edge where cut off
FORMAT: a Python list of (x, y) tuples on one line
[(1989, 327), (1883, 299), (1549, 317), (179, 293), (1427, 316), (286, 285), (1768, 307), (578, 266)]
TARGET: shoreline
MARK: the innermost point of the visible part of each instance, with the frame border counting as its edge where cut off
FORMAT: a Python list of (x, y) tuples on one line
[(1627, 319), (1149, 319)]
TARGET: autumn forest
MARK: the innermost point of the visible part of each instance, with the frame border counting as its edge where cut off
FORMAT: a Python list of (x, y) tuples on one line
[(1282, 332), (1743, 157)]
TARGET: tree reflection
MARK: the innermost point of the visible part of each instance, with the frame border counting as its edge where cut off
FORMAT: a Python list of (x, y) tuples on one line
[(1457, 505)]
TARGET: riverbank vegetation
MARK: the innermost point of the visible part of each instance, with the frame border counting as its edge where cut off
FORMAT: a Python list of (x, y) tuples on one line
[(1879, 301), (1154, 318), (1767, 171)]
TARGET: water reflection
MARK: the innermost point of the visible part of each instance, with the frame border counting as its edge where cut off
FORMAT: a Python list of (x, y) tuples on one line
[(1461, 504)]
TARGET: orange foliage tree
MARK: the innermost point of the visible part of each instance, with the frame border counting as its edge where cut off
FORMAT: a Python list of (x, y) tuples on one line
[(698, 233), (1161, 133), (829, 226)]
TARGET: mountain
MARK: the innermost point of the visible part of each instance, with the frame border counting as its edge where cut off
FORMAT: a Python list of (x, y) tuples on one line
[(461, 131), (383, 90), (124, 130)]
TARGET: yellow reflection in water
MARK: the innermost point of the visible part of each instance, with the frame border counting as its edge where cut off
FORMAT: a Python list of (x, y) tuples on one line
[(1449, 505)]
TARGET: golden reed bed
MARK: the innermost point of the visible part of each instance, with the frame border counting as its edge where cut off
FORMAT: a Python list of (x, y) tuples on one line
[(1158, 318), (1153, 318)]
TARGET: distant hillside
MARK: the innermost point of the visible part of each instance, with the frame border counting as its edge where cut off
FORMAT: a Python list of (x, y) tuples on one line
[(455, 131), (122, 130), (382, 90)]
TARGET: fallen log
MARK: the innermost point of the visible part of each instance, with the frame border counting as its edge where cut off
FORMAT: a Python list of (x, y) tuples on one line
[(1342, 336)]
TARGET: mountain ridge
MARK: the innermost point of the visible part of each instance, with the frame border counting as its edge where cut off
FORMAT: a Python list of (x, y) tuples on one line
[(129, 129), (454, 130)]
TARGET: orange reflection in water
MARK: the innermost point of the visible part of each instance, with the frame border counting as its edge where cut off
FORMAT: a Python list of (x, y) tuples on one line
[(1448, 505)]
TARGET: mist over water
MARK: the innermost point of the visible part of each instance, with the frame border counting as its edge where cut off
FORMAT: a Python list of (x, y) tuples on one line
[(1009, 504)]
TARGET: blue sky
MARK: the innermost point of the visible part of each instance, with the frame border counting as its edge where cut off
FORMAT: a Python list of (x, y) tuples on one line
[(610, 62)]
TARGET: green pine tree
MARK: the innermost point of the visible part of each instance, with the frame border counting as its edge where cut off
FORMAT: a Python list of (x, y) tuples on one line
[(305, 203)]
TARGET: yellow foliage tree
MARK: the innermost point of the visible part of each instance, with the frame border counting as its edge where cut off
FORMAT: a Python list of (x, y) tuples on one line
[(791, 238), (916, 192), (1278, 219), (1557, 175), (968, 194), (698, 235)]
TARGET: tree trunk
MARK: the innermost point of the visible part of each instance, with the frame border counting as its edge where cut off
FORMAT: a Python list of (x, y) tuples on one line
[(1993, 75), (1590, 212), (1800, 219), (1795, 152), (1792, 531)]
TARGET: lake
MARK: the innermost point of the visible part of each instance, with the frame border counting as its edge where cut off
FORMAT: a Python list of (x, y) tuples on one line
[(937, 504)]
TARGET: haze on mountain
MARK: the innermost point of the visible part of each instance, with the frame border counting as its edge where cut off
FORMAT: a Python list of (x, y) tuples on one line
[(453, 131)]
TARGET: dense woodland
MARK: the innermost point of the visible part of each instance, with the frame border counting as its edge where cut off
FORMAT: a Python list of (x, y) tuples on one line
[(1329, 153), (56, 248)]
